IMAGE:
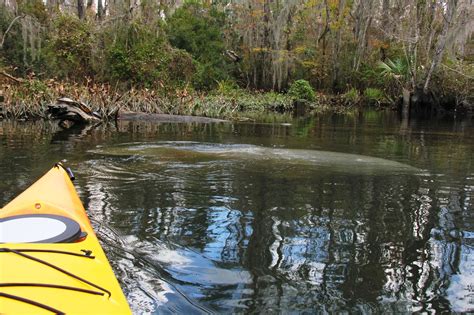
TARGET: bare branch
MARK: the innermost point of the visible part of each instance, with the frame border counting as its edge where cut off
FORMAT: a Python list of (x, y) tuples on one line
[(9, 28), (9, 76), (458, 72)]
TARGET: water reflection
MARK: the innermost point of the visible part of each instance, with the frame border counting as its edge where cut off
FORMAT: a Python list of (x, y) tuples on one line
[(190, 232), (306, 239)]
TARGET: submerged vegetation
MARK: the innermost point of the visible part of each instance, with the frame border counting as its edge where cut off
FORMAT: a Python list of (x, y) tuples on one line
[(219, 58)]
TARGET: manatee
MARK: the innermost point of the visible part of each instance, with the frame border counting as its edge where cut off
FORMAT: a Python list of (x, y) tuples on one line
[(187, 151)]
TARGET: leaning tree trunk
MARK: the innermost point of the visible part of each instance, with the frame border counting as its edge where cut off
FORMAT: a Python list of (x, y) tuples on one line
[(337, 48), (438, 54)]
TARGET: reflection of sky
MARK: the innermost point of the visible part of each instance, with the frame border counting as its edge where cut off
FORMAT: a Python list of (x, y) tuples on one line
[(460, 292), (225, 234), (315, 248), (299, 250)]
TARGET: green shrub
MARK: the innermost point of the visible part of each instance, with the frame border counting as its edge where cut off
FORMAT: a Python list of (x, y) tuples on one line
[(12, 51), (245, 102), (197, 29), (69, 50), (301, 90), (132, 53), (455, 80), (352, 96), (227, 87), (180, 67), (139, 54), (34, 8), (23, 44), (119, 63), (374, 96)]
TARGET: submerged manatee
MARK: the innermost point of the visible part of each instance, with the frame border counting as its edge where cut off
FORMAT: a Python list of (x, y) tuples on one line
[(187, 151)]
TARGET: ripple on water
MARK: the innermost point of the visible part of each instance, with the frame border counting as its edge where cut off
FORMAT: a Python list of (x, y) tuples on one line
[(192, 152), (155, 274), (279, 230)]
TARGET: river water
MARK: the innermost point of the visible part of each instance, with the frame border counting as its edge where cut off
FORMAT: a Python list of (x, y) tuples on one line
[(355, 213)]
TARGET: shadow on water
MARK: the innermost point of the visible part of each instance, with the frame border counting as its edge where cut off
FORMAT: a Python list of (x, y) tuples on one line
[(155, 273)]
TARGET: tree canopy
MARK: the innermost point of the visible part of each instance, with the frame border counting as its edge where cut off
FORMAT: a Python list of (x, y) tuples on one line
[(335, 45)]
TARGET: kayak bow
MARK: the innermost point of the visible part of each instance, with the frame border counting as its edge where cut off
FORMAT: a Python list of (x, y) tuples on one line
[(50, 258)]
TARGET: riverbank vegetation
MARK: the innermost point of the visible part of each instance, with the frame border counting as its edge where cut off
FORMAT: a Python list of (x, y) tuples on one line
[(222, 58)]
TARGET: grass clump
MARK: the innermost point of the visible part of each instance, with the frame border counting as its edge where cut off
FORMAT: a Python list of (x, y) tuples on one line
[(374, 96)]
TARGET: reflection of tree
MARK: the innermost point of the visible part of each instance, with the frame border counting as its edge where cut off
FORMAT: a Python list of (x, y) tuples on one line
[(312, 239)]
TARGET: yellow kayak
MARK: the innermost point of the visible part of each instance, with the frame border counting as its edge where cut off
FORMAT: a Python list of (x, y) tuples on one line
[(50, 258)]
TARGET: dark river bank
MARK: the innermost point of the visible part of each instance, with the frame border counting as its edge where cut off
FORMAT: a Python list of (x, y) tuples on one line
[(335, 213)]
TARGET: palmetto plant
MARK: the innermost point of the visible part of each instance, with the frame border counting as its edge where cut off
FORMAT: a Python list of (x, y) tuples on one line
[(400, 70), (397, 69)]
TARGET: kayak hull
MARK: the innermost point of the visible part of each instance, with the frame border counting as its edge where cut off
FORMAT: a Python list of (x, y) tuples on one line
[(72, 278)]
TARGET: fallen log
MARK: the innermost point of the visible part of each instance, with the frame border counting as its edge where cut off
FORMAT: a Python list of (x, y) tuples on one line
[(134, 116), (70, 112)]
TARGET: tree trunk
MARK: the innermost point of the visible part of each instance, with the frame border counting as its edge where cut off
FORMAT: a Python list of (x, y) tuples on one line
[(438, 54), (100, 9), (337, 47), (363, 20), (266, 45), (80, 9), (406, 103), (386, 14), (52, 5)]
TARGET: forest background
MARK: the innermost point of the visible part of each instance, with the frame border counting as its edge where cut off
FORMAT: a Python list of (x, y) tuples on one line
[(221, 58)]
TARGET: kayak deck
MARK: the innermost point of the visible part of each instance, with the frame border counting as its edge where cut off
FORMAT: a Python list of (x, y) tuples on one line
[(56, 277)]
